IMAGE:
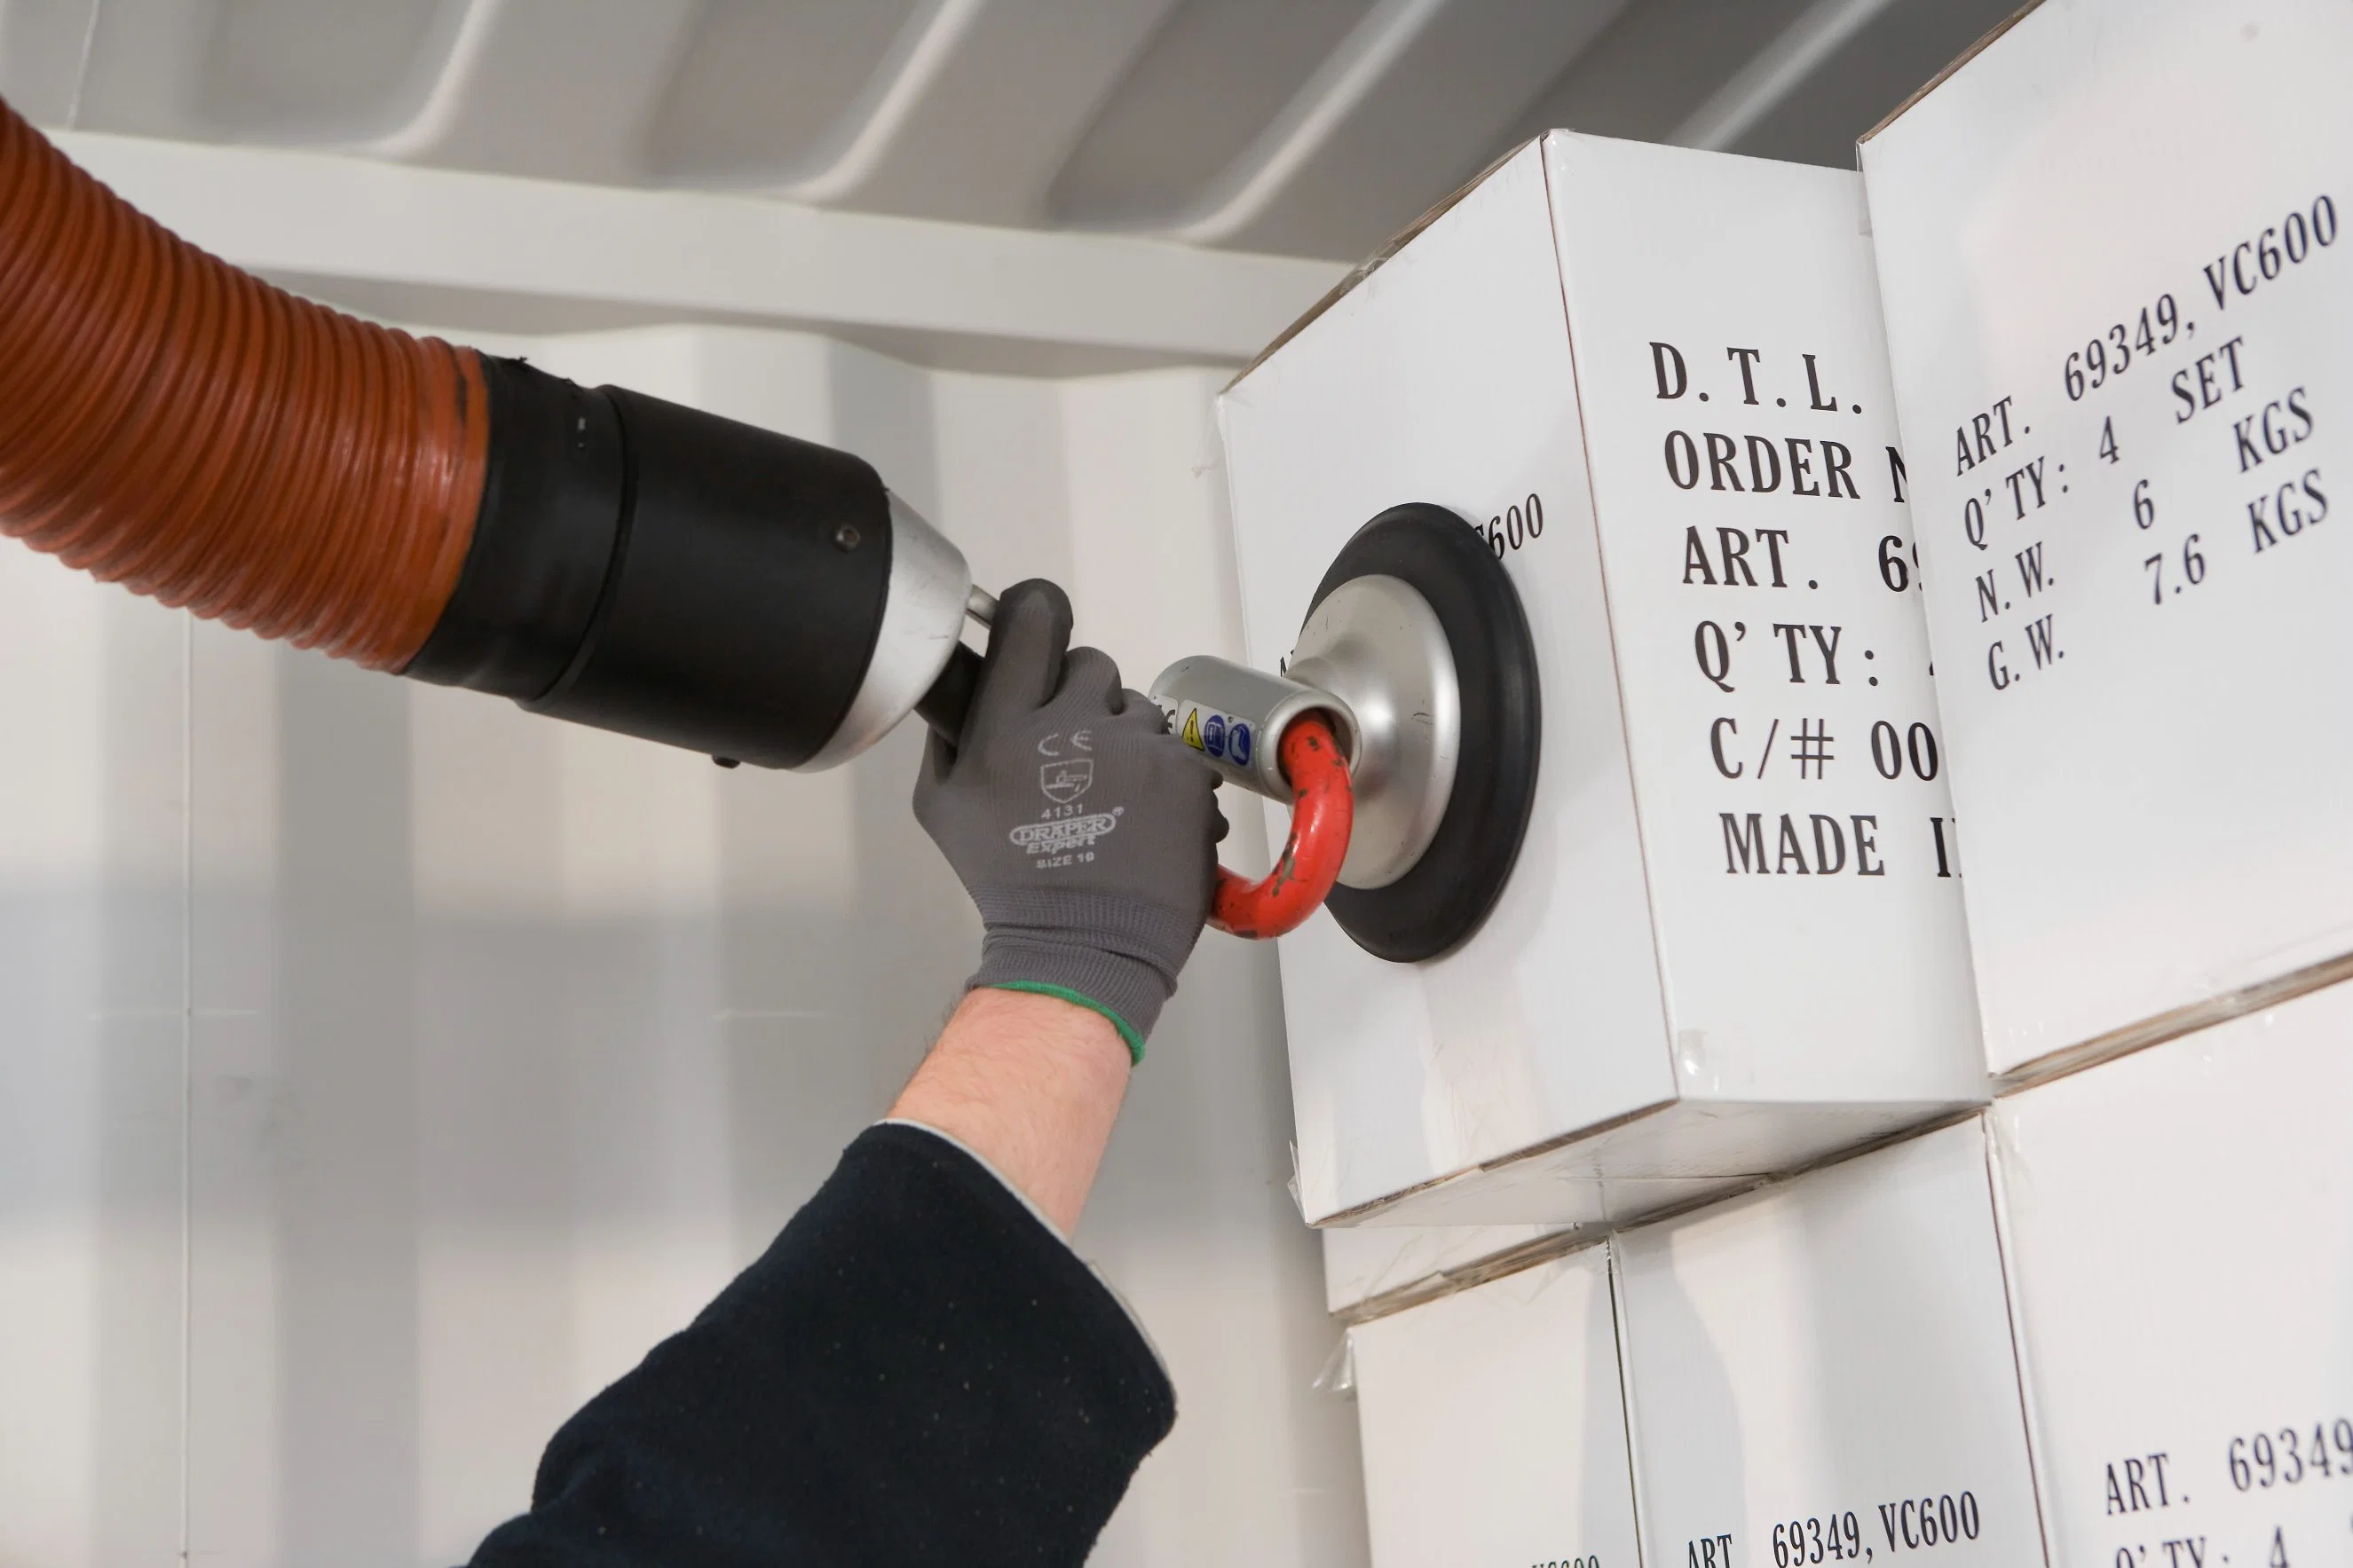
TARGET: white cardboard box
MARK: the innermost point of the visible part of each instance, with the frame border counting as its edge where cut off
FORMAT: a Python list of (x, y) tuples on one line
[(2179, 1231), (1829, 1360), (2120, 316), (1729, 946), (1492, 1428)]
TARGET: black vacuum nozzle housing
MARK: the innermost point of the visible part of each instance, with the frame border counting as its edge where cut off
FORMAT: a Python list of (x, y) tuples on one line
[(665, 572)]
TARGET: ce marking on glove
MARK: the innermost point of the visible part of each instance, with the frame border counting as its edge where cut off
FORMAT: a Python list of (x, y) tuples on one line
[(1080, 741)]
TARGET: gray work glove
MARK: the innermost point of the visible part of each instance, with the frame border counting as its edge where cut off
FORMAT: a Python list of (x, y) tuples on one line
[(1084, 832)]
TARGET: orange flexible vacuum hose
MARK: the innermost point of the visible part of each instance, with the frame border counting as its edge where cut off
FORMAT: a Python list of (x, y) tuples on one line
[(175, 425)]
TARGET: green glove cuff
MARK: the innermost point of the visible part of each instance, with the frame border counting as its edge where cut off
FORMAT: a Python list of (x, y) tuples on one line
[(1127, 1031)]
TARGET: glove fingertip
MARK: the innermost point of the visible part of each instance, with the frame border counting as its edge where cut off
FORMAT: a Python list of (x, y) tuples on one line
[(1027, 646), (1089, 672)]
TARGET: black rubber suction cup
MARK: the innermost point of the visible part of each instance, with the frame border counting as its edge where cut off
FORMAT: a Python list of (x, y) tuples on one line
[(1444, 896)]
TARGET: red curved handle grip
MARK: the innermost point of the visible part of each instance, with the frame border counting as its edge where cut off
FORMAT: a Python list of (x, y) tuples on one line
[(1322, 809)]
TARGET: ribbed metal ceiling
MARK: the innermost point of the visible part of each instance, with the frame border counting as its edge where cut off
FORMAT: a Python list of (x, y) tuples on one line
[(1308, 127)]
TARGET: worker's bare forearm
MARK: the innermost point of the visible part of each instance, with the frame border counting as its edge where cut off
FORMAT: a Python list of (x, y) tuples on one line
[(1032, 1085)]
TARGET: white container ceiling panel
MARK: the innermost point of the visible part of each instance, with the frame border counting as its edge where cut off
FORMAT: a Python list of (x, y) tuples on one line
[(1315, 128)]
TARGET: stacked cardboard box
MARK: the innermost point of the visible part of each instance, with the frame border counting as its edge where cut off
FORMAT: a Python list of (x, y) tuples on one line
[(1493, 1428), (1733, 944), (1823, 1369), (2122, 337), (2106, 1322)]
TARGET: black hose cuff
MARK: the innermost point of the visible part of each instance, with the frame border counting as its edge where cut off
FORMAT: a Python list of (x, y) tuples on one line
[(665, 572)]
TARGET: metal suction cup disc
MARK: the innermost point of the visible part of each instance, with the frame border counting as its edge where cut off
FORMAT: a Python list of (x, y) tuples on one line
[(1440, 900)]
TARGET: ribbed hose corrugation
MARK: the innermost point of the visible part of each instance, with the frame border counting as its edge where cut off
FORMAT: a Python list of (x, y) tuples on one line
[(175, 425)]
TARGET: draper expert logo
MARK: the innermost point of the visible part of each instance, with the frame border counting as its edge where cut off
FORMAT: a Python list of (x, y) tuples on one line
[(1071, 833)]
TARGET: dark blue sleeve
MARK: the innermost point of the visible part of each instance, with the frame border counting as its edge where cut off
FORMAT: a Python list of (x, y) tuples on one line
[(917, 1370)]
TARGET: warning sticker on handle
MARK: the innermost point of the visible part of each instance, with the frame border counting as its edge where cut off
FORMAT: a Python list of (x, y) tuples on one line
[(1220, 736)]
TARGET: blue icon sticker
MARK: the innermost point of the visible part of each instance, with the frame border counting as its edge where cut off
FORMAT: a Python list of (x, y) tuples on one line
[(1238, 744), (1213, 735)]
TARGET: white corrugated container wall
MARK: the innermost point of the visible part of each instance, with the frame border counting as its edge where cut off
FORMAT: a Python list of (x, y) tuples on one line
[(395, 1066)]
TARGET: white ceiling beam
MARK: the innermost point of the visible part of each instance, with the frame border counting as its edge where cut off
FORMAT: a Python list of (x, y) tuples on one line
[(700, 256)]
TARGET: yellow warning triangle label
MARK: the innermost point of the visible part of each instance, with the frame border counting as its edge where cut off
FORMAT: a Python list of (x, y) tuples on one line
[(1192, 736)]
